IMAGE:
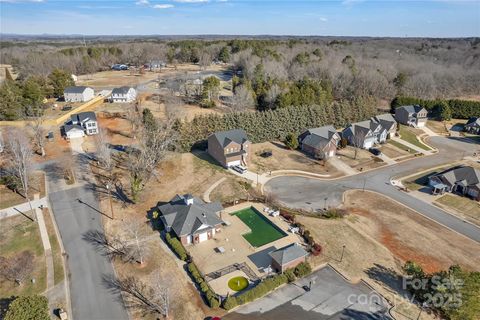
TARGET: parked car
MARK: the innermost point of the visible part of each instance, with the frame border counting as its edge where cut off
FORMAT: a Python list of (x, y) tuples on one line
[(375, 151), (239, 169), (266, 154), (67, 108)]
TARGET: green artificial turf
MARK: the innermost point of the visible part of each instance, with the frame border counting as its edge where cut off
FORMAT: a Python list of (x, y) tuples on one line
[(238, 283), (262, 230)]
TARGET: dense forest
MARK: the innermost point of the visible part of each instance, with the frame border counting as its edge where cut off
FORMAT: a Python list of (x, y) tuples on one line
[(279, 72)]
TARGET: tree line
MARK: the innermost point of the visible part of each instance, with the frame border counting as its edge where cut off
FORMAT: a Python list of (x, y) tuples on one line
[(442, 108)]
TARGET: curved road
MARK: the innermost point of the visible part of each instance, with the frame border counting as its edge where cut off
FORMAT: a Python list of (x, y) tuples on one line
[(312, 194)]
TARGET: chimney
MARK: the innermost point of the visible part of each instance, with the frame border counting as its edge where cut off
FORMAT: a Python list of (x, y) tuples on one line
[(188, 199)]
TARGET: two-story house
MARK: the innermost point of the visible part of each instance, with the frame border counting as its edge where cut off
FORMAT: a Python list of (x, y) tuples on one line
[(365, 134), (123, 95), (81, 124), (78, 94), (415, 116), (320, 142), (388, 123), (472, 126), (230, 148)]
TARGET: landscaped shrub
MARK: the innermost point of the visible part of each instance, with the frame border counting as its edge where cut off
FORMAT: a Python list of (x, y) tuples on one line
[(230, 303), (316, 249), (210, 295), (290, 275), (176, 246), (302, 269), (334, 213)]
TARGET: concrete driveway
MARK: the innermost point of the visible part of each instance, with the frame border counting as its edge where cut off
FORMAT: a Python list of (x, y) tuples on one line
[(313, 194), (330, 297)]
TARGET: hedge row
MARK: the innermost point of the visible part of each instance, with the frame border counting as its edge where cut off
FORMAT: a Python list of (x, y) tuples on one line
[(461, 109), (211, 296), (267, 285), (177, 247)]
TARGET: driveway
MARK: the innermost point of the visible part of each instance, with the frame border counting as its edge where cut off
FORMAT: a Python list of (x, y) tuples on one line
[(330, 297), (312, 194)]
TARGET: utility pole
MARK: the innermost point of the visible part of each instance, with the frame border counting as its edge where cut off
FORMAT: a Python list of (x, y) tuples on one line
[(110, 198), (343, 251)]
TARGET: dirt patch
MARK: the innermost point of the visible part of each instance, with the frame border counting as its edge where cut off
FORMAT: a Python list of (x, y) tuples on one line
[(286, 159), (363, 161), (392, 151)]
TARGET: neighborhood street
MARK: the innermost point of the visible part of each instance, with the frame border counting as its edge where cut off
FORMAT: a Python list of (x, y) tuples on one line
[(313, 194)]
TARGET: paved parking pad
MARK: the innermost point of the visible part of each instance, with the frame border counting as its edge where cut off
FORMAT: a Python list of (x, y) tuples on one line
[(330, 297)]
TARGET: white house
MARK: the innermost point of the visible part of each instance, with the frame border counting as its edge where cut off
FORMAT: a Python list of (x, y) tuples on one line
[(78, 94), (81, 124), (123, 94)]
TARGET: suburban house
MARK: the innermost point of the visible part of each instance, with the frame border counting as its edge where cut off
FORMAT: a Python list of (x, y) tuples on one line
[(288, 257), (123, 94), (463, 180), (388, 123), (81, 124), (414, 116), (365, 134), (472, 126), (192, 220), (320, 142), (230, 148), (78, 94)]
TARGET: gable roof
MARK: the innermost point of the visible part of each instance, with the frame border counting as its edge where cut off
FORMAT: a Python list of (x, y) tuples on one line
[(473, 122), (319, 137), (72, 127), (467, 176), (75, 89), (386, 120), (121, 90), (236, 135), (362, 128), (412, 108), (186, 219), (288, 254), (82, 117)]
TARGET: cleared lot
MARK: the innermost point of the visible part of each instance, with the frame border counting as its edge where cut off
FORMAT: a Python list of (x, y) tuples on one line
[(330, 297)]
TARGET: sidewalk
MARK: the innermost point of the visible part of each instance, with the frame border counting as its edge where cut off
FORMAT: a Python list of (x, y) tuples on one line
[(411, 146), (206, 194), (24, 207), (342, 166)]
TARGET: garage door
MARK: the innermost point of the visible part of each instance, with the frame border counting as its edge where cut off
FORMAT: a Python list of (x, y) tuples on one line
[(368, 144), (331, 153), (233, 163), (203, 237), (75, 134)]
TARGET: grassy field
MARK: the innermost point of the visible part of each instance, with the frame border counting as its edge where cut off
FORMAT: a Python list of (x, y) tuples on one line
[(409, 135), (20, 234), (468, 208), (437, 126), (10, 198), (56, 251), (262, 230), (401, 146)]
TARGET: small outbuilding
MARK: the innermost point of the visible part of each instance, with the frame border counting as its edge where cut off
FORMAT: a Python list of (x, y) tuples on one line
[(288, 257)]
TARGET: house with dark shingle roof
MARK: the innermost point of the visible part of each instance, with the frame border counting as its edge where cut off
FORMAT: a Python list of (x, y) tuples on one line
[(320, 142), (80, 124), (388, 122), (230, 148), (472, 126), (463, 180), (288, 257), (78, 94), (123, 95), (415, 116), (192, 220), (365, 134)]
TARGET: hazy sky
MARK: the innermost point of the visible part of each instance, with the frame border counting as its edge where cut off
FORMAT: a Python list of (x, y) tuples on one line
[(433, 18)]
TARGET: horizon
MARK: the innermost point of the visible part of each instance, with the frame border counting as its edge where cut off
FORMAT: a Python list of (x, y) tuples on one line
[(348, 18)]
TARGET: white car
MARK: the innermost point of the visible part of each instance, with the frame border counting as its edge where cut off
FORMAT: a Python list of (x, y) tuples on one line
[(239, 169)]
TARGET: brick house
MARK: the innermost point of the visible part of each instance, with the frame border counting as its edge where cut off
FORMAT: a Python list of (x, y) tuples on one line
[(230, 148), (192, 220), (288, 257), (320, 142), (415, 116)]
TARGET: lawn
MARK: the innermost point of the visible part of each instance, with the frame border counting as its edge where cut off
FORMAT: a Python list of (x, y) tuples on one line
[(56, 251), (401, 146), (410, 135), (468, 208), (10, 198), (20, 234), (262, 230), (437, 126), (420, 180)]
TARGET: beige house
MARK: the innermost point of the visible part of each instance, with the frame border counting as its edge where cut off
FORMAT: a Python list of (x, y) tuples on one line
[(230, 148)]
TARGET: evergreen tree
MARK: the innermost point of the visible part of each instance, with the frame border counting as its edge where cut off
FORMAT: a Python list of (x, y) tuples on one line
[(28, 308), (59, 80)]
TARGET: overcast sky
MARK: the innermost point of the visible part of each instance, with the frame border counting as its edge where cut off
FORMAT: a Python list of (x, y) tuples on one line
[(433, 18)]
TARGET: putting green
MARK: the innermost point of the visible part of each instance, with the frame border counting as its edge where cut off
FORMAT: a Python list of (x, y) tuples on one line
[(238, 283)]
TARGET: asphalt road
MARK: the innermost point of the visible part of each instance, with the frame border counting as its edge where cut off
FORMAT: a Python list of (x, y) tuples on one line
[(314, 194), (330, 297)]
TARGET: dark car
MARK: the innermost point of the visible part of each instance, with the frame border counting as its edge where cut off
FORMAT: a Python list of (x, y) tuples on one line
[(266, 154), (375, 151), (67, 108)]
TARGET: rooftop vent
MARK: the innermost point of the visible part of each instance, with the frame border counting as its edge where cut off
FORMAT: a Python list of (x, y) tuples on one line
[(188, 199)]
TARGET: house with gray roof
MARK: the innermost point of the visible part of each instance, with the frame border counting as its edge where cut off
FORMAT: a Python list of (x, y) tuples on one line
[(365, 134), (123, 95), (415, 116), (288, 257), (230, 148), (388, 122), (463, 180), (78, 94), (192, 220), (472, 125), (81, 124), (320, 142)]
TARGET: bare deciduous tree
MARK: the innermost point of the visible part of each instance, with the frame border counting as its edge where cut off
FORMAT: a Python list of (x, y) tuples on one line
[(242, 99), (104, 152), (148, 299), (136, 234), (17, 267), (39, 134)]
